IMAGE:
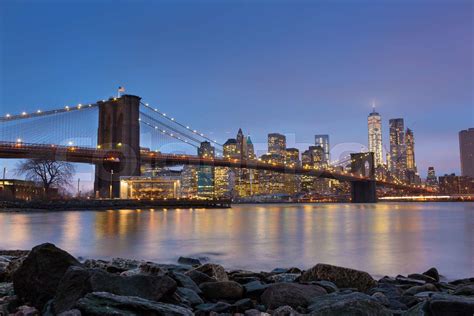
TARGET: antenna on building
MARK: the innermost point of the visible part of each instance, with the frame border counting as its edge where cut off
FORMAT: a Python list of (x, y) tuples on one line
[(120, 90), (373, 105)]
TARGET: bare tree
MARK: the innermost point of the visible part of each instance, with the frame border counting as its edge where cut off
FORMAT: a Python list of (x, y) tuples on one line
[(49, 173)]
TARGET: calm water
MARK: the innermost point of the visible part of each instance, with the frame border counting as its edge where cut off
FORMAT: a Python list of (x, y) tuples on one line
[(384, 238)]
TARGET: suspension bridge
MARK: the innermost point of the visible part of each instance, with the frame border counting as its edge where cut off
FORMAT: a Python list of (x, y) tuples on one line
[(116, 146)]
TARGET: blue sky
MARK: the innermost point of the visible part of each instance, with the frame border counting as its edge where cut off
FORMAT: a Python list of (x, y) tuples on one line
[(295, 67)]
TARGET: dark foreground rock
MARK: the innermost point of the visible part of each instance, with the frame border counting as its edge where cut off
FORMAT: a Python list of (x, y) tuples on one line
[(105, 304), (348, 304), (37, 278), (342, 277), (291, 294), (49, 281)]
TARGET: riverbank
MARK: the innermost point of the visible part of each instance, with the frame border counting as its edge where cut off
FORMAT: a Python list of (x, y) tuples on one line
[(49, 280), (107, 204)]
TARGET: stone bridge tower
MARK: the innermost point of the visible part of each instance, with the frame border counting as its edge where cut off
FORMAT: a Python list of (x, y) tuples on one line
[(119, 131), (363, 191)]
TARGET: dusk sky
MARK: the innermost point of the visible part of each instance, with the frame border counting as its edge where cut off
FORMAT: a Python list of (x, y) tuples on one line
[(295, 67)]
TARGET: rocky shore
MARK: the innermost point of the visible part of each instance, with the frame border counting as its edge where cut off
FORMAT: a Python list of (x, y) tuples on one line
[(49, 281)]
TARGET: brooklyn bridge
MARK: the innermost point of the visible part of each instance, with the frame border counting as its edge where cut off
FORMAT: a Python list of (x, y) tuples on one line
[(118, 151)]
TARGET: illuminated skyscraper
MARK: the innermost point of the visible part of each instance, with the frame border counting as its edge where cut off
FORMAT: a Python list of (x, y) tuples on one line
[(410, 150), (374, 124), (276, 144), (205, 174), (398, 158), (323, 142), (250, 149), (466, 147)]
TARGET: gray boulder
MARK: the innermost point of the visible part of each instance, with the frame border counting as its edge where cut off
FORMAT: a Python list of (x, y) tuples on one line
[(255, 289), (185, 281), (342, 277), (199, 277), (352, 304), (229, 290), (188, 296), (285, 311), (36, 280), (283, 277), (189, 261), (420, 288), (79, 281), (219, 307), (432, 273), (442, 304), (214, 271), (107, 304), (291, 294), (467, 290)]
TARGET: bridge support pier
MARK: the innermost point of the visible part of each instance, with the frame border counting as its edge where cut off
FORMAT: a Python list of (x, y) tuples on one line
[(363, 192), (119, 132)]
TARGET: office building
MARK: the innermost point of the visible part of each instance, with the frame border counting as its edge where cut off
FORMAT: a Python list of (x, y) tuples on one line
[(276, 144), (398, 159), (374, 125), (323, 142), (431, 179), (466, 148), (205, 174)]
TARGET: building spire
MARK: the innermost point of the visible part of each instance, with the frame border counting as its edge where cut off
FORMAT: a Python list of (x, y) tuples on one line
[(373, 106)]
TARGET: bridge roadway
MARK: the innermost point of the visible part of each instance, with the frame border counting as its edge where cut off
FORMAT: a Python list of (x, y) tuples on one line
[(19, 150)]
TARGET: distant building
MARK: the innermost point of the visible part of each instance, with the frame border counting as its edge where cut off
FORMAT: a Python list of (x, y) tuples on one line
[(230, 149), (323, 142), (250, 149), (241, 144), (452, 184), (374, 125), (13, 189), (398, 159), (189, 181), (410, 149), (276, 143), (466, 148), (205, 174), (431, 179)]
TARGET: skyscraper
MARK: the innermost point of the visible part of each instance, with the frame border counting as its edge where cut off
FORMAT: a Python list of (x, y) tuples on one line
[(374, 124), (241, 144), (398, 159), (323, 142), (205, 174), (276, 144), (410, 150), (466, 147), (250, 149)]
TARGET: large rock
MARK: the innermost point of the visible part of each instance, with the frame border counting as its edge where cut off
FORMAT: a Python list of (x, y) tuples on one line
[(292, 294), (36, 280), (199, 277), (342, 277), (352, 304), (214, 271), (185, 281), (442, 304), (188, 296), (467, 290), (432, 273), (79, 281), (283, 277), (228, 290), (189, 261), (255, 289), (420, 288), (105, 304)]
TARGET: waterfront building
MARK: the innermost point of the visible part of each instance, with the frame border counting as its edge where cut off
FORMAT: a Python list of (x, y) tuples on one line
[(466, 148), (452, 184), (272, 182), (398, 158), (410, 149), (241, 144), (276, 144), (189, 181), (230, 148), (158, 187), (205, 174), (14, 189), (292, 181), (323, 142), (374, 125)]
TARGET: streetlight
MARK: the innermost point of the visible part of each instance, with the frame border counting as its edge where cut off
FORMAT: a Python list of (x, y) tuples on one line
[(111, 179)]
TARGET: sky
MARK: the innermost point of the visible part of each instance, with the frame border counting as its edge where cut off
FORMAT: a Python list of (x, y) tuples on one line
[(296, 67)]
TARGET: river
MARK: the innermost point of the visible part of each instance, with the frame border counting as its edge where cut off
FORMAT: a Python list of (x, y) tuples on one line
[(382, 238)]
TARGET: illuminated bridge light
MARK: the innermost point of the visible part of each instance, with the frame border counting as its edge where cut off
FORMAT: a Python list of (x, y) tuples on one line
[(66, 107), (7, 116), (39, 111), (23, 113)]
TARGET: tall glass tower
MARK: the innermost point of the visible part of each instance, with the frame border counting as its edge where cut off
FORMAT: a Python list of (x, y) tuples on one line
[(374, 124), (323, 142), (398, 155)]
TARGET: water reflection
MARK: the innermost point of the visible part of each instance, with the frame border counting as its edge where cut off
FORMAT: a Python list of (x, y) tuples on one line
[(385, 238)]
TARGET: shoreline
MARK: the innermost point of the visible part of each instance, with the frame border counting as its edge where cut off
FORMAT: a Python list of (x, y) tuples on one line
[(50, 281)]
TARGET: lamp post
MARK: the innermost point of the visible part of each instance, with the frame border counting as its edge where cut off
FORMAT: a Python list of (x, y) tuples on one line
[(111, 181)]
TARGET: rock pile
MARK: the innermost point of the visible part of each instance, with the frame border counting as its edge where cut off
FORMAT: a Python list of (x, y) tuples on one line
[(49, 281)]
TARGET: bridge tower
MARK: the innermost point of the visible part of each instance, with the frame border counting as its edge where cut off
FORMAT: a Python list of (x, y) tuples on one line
[(119, 131), (363, 191)]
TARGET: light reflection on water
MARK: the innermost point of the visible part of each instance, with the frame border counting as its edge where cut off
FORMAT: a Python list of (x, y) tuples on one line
[(383, 238)]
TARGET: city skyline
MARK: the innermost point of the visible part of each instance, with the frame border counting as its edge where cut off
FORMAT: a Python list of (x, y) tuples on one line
[(264, 82)]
